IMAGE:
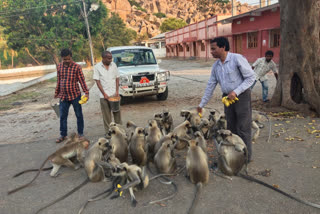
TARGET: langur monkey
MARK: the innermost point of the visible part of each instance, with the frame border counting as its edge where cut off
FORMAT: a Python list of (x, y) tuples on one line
[(204, 127), (169, 137), (158, 118), (164, 159), (201, 141), (137, 179), (73, 138), (123, 131), (257, 125), (153, 137), (131, 127), (167, 121), (138, 147), (61, 157), (192, 116), (197, 169), (182, 131), (233, 155), (118, 141), (94, 171)]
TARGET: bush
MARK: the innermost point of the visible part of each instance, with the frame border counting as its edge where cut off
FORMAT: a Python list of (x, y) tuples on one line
[(160, 15)]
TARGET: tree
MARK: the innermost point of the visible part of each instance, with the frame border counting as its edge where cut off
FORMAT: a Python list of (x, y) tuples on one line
[(299, 74), (48, 26), (172, 24), (115, 33)]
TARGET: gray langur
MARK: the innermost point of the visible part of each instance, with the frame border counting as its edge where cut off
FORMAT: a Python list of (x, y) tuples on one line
[(61, 157), (153, 137), (197, 169), (233, 156), (167, 121), (138, 147), (182, 132), (257, 124), (95, 172), (118, 141), (164, 159)]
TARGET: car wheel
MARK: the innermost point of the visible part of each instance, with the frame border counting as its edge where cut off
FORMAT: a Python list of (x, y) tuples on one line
[(164, 95)]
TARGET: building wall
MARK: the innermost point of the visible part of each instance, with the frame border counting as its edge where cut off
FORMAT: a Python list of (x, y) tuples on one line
[(262, 25)]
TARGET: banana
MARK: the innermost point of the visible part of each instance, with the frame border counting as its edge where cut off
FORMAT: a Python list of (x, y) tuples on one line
[(227, 102), (83, 100)]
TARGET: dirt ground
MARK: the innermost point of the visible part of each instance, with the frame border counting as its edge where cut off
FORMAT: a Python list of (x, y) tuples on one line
[(29, 128)]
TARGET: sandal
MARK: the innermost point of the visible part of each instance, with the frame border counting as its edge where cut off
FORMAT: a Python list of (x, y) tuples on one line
[(60, 139)]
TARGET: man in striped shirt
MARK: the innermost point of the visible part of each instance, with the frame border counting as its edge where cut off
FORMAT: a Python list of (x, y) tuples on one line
[(235, 76), (69, 75)]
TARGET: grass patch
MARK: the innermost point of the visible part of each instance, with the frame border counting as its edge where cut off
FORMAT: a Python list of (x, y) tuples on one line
[(54, 79), (6, 102), (160, 15)]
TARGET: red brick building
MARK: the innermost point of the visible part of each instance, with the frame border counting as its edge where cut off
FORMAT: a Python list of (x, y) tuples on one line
[(257, 31), (250, 34)]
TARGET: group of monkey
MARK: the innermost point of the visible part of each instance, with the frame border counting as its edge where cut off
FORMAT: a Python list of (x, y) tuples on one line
[(108, 158)]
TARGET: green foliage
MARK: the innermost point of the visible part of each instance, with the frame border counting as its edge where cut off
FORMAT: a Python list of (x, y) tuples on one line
[(115, 33), (209, 5), (134, 3), (172, 24), (160, 15), (45, 27)]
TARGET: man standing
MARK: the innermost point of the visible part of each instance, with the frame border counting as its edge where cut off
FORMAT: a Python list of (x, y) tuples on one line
[(261, 67), (69, 74), (235, 76), (106, 75)]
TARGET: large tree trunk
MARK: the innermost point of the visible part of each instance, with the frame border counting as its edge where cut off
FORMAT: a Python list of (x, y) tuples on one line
[(299, 74)]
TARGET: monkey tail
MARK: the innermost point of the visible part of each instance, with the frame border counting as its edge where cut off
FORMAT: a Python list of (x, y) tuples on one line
[(195, 198), (64, 196), (31, 170), (27, 184), (250, 178), (168, 197)]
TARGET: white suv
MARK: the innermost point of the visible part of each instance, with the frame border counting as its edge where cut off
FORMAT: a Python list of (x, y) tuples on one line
[(140, 74)]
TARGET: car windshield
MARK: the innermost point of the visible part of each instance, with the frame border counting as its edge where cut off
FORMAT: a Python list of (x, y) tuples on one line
[(130, 57)]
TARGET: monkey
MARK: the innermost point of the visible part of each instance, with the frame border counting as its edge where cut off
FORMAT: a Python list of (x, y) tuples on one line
[(232, 152), (119, 126), (232, 159), (167, 121), (201, 141), (197, 169), (119, 144), (193, 117), (153, 137), (204, 127), (59, 158), (182, 131), (164, 159), (94, 171), (257, 125), (137, 179), (159, 118), (131, 127), (70, 139), (169, 137), (138, 147)]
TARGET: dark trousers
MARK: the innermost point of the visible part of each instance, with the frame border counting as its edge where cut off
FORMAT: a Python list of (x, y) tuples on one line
[(239, 118), (64, 111), (106, 114)]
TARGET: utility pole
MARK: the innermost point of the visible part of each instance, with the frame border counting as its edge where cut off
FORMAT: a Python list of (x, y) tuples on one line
[(88, 31)]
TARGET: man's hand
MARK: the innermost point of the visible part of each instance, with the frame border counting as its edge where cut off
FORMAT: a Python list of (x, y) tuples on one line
[(232, 95), (87, 95), (199, 109), (106, 97)]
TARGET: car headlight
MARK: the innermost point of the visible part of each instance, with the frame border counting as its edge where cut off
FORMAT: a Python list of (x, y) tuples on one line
[(124, 80), (162, 76)]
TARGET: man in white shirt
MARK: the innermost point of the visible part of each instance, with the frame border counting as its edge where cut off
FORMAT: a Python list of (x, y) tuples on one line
[(106, 75), (261, 67)]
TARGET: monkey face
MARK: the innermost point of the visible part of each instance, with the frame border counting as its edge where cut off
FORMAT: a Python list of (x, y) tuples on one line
[(212, 113)]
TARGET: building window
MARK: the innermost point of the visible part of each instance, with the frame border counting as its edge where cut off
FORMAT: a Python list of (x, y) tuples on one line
[(187, 48), (180, 48), (203, 47), (274, 38), (253, 40)]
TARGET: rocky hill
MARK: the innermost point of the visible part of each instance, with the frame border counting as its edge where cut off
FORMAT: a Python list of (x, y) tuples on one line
[(140, 14)]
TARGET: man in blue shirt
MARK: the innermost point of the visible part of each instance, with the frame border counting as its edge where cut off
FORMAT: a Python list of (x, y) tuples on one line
[(235, 76)]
